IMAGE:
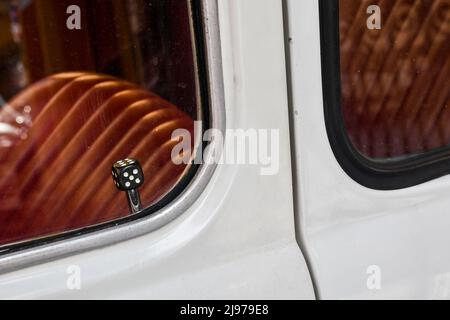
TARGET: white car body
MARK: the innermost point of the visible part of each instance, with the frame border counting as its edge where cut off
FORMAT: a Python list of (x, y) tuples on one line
[(308, 232)]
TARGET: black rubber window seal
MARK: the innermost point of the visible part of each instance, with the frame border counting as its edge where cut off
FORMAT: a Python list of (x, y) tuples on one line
[(390, 174)]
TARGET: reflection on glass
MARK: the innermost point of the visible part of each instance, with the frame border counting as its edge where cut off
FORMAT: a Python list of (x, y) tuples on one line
[(75, 101), (395, 79)]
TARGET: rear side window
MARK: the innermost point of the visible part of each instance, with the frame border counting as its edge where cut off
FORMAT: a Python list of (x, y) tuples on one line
[(395, 75), (386, 88), (91, 93)]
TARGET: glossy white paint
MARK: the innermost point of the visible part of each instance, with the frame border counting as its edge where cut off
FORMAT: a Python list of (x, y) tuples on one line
[(344, 227), (238, 239)]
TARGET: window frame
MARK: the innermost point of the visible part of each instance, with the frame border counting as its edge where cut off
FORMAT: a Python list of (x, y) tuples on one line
[(389, 174), (204, 16)]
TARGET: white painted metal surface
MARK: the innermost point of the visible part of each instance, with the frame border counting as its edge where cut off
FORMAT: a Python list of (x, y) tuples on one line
[(346, 228), (238, 239)]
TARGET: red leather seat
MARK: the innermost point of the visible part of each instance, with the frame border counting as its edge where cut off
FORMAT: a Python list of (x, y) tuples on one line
[(55, 176)]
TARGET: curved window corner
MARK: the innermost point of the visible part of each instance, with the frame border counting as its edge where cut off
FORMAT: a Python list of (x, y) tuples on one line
[(98, 104), (385, 68)]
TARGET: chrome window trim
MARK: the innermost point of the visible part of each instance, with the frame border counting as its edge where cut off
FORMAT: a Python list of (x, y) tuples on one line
[(134, 229)]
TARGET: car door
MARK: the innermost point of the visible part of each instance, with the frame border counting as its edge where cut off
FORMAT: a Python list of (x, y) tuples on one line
[(369, 110), (229, 231)]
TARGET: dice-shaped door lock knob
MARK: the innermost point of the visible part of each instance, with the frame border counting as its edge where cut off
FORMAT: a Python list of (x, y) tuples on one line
[(129, 177)]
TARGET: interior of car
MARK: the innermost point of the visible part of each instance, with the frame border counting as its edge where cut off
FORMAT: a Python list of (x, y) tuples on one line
[(74, 102), (394, 79)]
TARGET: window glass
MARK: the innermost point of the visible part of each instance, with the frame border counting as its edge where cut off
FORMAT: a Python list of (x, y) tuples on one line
[(395, 68), (83, 85)]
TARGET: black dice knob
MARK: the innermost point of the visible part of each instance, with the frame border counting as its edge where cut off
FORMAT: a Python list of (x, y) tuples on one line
[(128, 176)]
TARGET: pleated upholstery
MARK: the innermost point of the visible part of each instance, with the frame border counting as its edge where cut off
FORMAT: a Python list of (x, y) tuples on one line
[(56, 176), (395, 88)]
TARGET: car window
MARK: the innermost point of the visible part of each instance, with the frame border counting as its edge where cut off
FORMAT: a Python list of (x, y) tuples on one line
[(395, 66), (91, 93), (385, 67)]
